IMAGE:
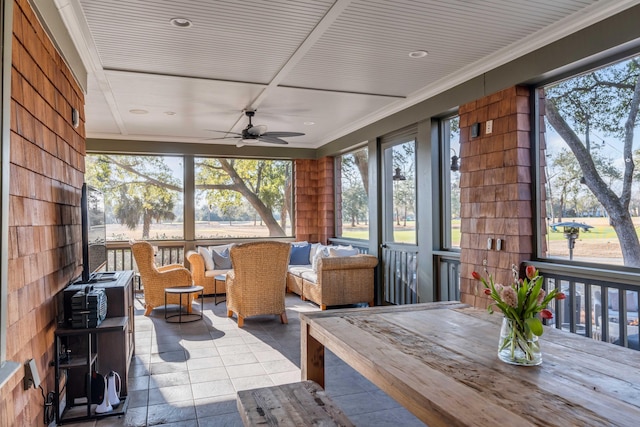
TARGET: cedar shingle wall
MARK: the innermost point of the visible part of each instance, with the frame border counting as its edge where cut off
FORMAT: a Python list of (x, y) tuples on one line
[(495, 189), (315, 200), (47, 170)]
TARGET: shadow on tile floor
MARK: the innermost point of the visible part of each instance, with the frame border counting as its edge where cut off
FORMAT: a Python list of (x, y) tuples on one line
[(186, 375)]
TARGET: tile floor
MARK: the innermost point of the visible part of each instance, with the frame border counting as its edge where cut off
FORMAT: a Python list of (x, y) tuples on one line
[(188, 374)]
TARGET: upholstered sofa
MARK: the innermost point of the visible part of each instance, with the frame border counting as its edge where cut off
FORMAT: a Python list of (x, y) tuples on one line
[(326, 275), (335, 281)]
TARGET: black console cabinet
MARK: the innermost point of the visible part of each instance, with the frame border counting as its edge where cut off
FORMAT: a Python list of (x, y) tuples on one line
[(109, 347)]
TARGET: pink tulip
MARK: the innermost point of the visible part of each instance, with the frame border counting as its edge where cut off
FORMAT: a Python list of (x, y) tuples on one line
[(560, 296), (546, 314), (476, 275), (530, 271), (487, 291)]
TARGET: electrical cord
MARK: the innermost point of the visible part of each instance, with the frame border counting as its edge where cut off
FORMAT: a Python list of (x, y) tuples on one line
[(48, 406)]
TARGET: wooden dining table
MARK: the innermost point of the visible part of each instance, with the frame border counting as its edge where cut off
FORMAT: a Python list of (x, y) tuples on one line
[(439, 360)]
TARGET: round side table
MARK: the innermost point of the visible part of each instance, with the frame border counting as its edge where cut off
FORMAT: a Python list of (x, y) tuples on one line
[(183, 290), (218, 278)]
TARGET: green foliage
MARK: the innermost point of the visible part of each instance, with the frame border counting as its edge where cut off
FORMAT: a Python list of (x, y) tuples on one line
[(354, 175), (240, 187), (137, 188), (583, 110)]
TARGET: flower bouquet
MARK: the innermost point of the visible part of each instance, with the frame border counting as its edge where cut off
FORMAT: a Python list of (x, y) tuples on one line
[(520, 303)]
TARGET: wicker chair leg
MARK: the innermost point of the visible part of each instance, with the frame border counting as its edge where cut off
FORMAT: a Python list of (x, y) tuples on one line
[(147, 310), (229, 313), (323, 306), (240, 321), (283, 318)]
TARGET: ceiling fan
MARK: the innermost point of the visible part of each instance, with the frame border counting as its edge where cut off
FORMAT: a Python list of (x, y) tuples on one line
[(253, 134)]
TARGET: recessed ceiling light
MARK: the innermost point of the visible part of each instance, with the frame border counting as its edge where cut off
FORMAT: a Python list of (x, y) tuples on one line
[(170, 113), (181, 22), (309, 123), (418, 54), (138, 111)]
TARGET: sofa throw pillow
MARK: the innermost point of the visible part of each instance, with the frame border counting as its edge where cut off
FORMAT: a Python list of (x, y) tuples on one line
[(312, 252), (222, 260), (299, 254), (340, 252), (206, 256), (320, 253)]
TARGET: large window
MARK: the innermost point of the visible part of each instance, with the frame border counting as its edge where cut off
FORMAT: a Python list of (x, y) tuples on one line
[(353, 211), (247, 198), (450, 143), (592, 144), (400, 192), (143, 195)]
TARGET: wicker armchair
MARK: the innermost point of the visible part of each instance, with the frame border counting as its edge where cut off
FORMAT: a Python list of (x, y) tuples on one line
[(156, 279), (257, 283)]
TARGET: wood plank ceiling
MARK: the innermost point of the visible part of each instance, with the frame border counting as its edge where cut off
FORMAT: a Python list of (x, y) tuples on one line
[(337, 64)]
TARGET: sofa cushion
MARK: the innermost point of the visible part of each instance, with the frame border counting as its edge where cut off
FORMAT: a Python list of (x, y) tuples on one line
[(214, 273), (310, 276), (340, 252), (206, 257), (299, 254), (221, 259), (297, 270)]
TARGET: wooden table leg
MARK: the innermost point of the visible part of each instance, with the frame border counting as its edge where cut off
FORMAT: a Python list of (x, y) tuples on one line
[(311, 356)]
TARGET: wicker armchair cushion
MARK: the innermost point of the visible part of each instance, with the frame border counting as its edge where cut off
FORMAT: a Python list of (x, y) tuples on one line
[(206, 256), (222, 260)]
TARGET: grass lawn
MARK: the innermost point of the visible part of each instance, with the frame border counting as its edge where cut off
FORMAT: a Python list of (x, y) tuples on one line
[(600, 242)]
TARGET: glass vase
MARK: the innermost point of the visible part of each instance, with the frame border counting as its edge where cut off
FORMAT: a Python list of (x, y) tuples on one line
[(516, 346)]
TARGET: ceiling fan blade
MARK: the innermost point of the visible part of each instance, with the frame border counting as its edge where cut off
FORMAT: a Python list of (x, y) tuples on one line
[(224, 132), (223, 137), (282, 134), (272, 140)]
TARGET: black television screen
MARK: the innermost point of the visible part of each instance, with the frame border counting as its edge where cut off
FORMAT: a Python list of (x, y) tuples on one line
[(94, 249)]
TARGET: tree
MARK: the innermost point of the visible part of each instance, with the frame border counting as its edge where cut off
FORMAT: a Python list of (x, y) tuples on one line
[(260, 182), (139, 188), (354, 203), (354, 179), (605, 100), (361, 160), (564, 179)]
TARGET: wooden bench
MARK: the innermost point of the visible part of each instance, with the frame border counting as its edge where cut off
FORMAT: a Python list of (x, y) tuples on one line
[(298, 404)]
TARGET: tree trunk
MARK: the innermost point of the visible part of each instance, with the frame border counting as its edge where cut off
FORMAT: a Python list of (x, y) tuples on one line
[(265, 213), (361, 159), (405, 215), (286, 204), (616, 207), (146, 225)]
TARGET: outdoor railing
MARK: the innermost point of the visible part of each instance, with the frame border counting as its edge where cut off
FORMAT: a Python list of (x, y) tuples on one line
[(120, 257), (447, 266), (600, 304), (400, 263)]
